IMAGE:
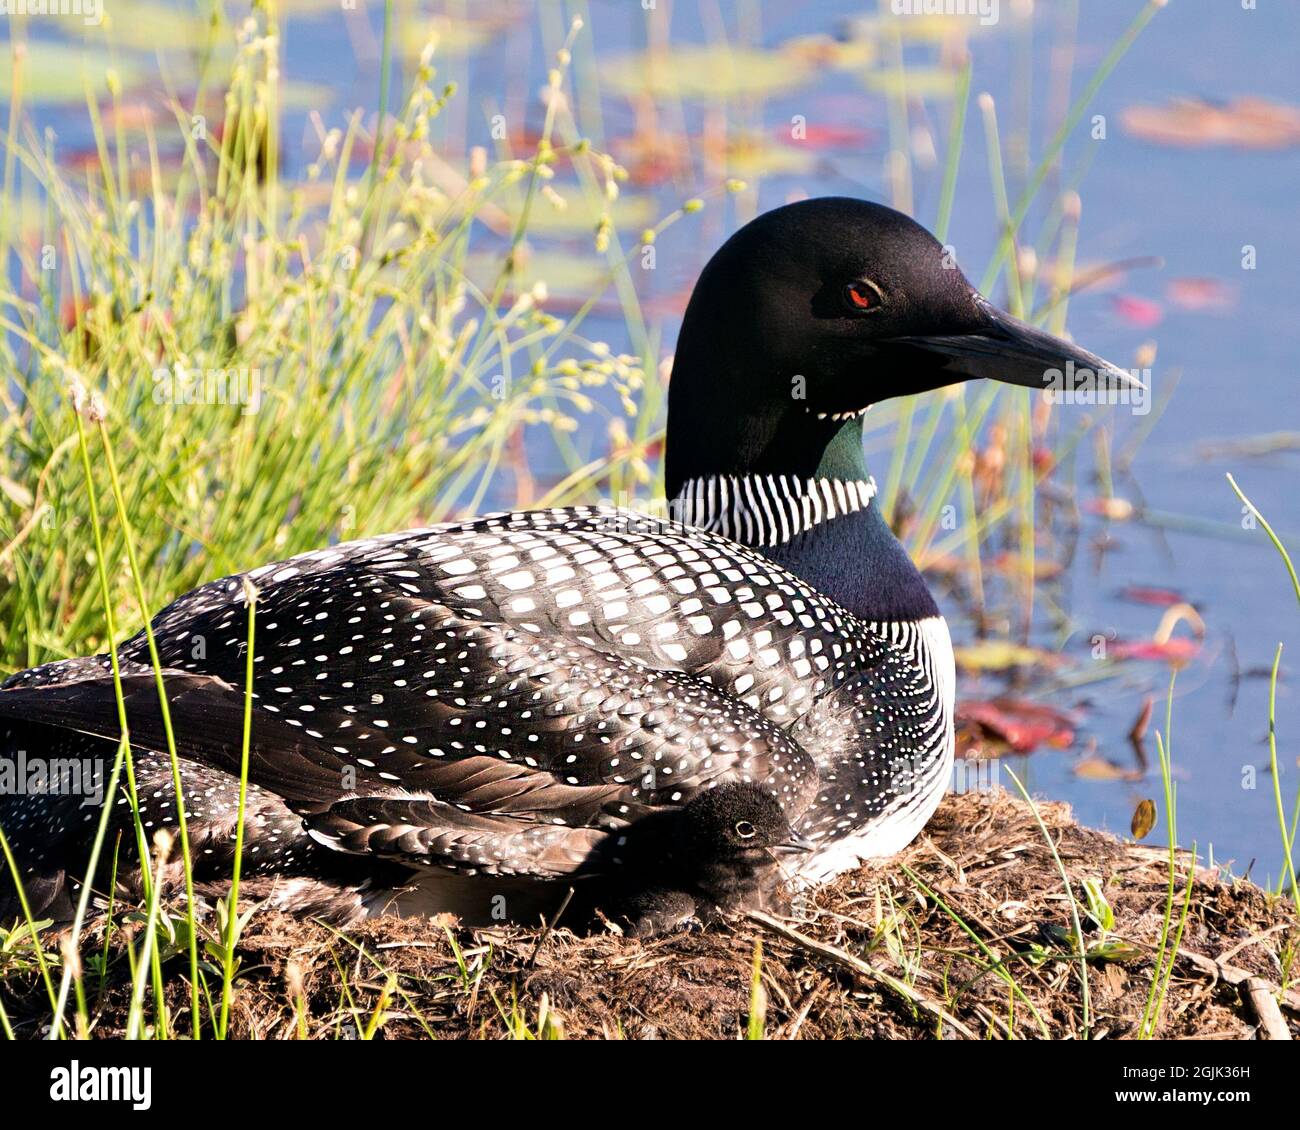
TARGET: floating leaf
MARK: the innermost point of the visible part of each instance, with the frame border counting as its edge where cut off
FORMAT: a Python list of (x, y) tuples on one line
[(1270, 443), (581, 213), (451, 37), (825, 51), (1201, 294), (828, 136), (652, 156), (1022, 726), (1141, 312), (1149, 594), (713, 73), (913, 82), (1171, 651), (53, 72), (1247, 123), (1162, 646), (144, 26), (562, 273), (1144, 819), (749, 156), (1014, 565), (1099, 769), (916, 28), (1000, 655)]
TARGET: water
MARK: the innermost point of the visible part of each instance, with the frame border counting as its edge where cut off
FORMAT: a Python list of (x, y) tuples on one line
[(1196, 208)]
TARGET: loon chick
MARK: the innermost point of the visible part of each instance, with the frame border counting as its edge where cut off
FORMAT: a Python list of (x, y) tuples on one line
[(716, 855), (510, 695)]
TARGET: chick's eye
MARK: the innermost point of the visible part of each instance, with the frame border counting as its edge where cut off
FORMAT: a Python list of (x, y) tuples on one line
[(745, 830), (861, 296)]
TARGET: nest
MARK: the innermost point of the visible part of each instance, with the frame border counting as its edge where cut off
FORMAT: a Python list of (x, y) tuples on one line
[(968, 934)]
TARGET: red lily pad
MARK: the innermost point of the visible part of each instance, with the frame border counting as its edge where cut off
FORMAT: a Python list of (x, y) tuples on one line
[(1177, 650), (1150, 594), (1201, 294), (1020, 725), (816, 136), (1247, 123), (1141, 312)]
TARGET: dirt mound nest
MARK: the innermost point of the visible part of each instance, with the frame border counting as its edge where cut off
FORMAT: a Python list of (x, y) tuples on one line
[(968, 934)]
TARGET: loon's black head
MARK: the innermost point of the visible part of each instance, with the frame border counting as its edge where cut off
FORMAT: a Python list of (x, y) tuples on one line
[(815, 311), (736, 821)]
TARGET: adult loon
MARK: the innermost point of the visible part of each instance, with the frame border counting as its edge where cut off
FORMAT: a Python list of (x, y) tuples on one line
[(518, 694)]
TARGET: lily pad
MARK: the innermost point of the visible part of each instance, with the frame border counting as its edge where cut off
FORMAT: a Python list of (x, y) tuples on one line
[(1001, 655), (825, 52), (1145, 313), (562, 273), (141, 25), (1094, 768), (1246, 123), (1201, 294), (918, 28), (1176, 651), (700, 72), (913, 82), (580, 214), (749, 157), (451, 37), (57, 72), (1022, 726)]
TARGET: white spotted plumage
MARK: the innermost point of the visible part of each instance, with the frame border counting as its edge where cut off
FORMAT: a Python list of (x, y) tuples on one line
[(502, 695)]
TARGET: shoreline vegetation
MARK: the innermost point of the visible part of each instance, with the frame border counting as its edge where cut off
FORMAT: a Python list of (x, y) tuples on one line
[(385, 336)]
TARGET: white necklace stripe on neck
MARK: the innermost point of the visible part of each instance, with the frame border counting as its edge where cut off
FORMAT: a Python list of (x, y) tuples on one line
[(767, 510)]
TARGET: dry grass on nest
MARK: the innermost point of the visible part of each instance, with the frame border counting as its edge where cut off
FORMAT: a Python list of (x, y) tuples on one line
[(871, 955)]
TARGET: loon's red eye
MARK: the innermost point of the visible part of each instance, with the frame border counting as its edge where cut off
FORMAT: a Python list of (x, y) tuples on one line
[(861, 296)]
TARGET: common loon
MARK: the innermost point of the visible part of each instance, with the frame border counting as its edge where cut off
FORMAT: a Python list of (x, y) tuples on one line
[(513, 696)]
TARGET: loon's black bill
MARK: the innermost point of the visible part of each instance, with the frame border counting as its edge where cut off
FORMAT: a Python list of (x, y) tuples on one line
[(1004, 348), (796, 843)]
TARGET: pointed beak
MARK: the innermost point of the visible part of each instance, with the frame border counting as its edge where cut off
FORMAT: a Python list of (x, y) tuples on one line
[(796, 842), (1004, 348)]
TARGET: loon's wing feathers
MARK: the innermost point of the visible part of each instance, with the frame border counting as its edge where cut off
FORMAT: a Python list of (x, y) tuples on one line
[(555, 639), (474, 812), (443, 675), (488, 820), (672, 599), (426, 831)]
